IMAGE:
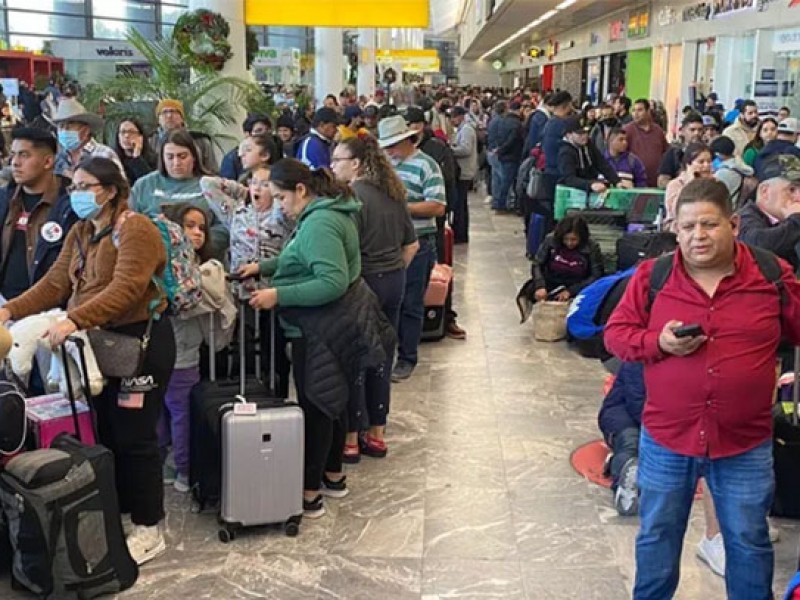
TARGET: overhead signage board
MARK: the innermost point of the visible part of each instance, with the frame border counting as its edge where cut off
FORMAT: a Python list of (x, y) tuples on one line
[(425, 60), (324, 13), (639, 23)]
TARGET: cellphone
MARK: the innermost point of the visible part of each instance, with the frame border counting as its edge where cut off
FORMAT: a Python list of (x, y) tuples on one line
[(692, 330), (235, 277)]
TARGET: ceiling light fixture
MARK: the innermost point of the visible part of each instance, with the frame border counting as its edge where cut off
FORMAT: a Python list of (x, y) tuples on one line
[(522, 31)]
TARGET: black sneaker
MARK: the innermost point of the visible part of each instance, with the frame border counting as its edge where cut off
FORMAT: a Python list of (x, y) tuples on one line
[(313, 509), (334, 489)]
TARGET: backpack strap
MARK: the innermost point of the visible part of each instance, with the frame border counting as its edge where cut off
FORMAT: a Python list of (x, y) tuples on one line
[(770, 268), (658, 277), (767, 263)]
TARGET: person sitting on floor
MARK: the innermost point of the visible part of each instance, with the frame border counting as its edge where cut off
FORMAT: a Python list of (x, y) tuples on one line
[(567, 261)]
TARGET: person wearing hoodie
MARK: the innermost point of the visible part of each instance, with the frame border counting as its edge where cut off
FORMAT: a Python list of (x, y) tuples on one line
[(509, 153), (627, 165), (784, 143), (602, 129), (732, 171), (314, 149), (536, 124), (581, 166), (319, 263), (465, 149)]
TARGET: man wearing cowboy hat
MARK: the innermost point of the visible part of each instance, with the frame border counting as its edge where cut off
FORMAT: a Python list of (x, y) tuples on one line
[(426, 200), (171, 115), (75, 140)]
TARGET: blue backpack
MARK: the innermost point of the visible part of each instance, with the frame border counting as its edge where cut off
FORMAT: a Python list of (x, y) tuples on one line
[(581, 319)]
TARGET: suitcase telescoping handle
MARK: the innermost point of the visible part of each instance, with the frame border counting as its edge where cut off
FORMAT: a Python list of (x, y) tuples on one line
[(83, 374)]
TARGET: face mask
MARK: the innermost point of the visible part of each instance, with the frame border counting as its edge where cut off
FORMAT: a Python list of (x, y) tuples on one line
[(84, 204), (69, 140)]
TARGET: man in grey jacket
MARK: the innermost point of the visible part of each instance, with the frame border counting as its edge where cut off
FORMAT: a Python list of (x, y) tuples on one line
[(465, 149)]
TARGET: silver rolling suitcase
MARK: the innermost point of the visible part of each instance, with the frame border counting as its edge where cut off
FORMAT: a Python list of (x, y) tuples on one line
[(262, 455)]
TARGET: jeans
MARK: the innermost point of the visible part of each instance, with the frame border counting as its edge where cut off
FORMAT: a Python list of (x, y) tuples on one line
[(389, 288), (173, 426), (624, 445), (496, 174), (412, 311), (742, 487), (508, 171)]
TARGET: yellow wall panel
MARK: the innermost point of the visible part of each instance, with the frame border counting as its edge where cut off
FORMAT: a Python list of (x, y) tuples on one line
[(329, 13)]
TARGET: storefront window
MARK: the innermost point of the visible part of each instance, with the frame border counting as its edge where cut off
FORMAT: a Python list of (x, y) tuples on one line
[(70, 7), (106, 29), (704, 75)]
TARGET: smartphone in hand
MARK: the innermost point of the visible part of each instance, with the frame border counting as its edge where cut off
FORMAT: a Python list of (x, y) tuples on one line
[(692, 330)]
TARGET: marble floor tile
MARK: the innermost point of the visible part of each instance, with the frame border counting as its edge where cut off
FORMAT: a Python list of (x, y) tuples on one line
[(476, 498)]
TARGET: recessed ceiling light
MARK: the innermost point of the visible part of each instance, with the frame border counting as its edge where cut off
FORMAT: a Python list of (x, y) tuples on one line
[(523, 30)]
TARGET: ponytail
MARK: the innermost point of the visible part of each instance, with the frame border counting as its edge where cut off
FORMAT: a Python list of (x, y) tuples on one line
[(287, 173)]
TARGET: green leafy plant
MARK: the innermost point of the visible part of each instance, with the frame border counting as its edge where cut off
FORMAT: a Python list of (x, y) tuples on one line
[(209, 98), (201, 37), (251, 47)]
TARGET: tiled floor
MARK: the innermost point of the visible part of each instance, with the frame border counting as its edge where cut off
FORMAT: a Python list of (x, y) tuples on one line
[(477, 498)]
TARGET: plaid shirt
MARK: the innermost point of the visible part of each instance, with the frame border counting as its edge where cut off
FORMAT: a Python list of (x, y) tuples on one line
[(91, 149)]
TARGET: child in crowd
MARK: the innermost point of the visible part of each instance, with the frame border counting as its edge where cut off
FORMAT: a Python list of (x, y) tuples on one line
[(258, 229), (254, 152), (174, 422)]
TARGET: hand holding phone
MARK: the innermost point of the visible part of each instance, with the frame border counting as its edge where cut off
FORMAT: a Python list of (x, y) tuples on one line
[(691, 330)]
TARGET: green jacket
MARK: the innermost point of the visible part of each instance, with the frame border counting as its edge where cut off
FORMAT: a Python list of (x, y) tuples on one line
[(153, 191), (322, 257)]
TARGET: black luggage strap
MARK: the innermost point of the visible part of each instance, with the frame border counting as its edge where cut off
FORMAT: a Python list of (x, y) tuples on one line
[(767, 263)]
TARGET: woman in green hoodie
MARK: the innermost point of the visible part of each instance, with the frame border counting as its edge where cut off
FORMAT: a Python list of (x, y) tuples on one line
[(317, 266), (177, 180)]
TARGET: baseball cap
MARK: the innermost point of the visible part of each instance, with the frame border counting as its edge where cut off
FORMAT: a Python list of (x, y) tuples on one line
[(352, 112), (325, 115), (414, 114), (788, 125), (709, 121), (371, 111), (574, 125), (785, 166)]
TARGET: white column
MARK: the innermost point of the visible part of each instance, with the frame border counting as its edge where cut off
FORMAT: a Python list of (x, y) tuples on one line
[(366, 62), (328, 62)]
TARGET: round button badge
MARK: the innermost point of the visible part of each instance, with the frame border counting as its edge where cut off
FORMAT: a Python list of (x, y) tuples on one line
[(52, 231)]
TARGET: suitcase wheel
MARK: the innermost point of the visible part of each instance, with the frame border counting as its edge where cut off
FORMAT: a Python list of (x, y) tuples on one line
[(291, 528), (227, 534)]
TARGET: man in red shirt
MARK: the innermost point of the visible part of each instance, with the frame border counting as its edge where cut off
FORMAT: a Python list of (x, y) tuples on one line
[(709, 395), (646, 140)]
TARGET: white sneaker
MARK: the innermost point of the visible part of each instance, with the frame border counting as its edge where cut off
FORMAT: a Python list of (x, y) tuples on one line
[(181, 483), (146, 543), (487, 200), (626, 498), (712, 552), (127, 525)]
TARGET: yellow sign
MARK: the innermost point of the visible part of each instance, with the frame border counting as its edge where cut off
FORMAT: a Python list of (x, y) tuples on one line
[(325, 13), (418, 61)]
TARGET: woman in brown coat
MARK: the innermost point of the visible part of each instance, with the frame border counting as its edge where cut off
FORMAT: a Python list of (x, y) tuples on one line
[(105, 275)]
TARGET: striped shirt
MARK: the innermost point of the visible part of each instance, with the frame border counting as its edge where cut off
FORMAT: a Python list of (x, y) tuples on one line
[(423, 181)]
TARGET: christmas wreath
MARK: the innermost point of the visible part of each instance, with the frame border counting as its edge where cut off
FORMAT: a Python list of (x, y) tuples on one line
[(202, 39)]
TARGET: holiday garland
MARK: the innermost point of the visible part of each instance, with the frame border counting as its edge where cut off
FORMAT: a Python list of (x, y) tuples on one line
[(201, 37)]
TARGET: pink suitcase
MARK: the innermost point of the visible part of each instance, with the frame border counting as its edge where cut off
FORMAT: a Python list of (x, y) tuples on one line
[(436, 294), (50, 415)]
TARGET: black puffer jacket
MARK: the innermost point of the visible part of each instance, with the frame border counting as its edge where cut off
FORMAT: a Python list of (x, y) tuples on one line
[(343, 339)]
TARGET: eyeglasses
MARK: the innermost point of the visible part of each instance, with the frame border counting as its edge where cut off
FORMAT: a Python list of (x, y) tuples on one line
[(341, 158), (82, 187)]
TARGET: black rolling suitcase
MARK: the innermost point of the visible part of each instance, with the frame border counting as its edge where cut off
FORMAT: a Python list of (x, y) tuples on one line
[(208, 401), (786, 451), (60, 504), (636, 246)]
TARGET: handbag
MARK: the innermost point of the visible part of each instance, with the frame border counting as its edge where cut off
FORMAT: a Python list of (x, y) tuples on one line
[(118, 354)]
